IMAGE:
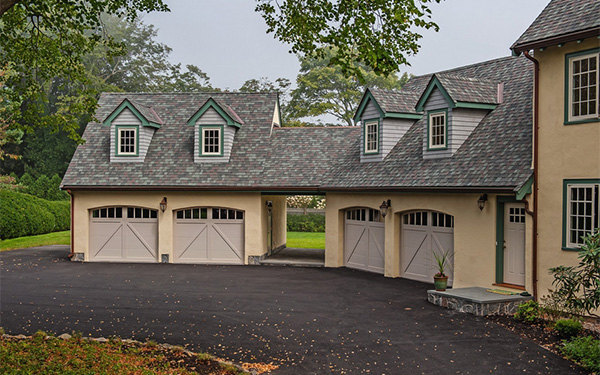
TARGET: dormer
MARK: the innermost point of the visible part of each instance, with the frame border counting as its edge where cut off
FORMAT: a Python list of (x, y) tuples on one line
[(132, 126), (453, 107), (385, 116), (215, 125)]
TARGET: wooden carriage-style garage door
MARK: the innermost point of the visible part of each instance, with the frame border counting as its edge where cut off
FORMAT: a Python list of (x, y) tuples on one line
[(209, 235), (364, 240), (123, 234), (423, 233)]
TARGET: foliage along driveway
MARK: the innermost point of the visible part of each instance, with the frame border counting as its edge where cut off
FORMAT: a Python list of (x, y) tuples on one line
[(306, 320)]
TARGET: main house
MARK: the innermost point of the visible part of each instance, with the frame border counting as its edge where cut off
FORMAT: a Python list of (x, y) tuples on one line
[(445, 164)]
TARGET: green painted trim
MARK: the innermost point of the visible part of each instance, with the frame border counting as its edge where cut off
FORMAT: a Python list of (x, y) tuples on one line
[(211, 103), (408, 116), (137, 140), (363, 104), (500, 201), (525, 189), (364, 136), (565, 221), (429, 113), (476, 105), (201, 139), (433, 83), (127, 104), (567, 91)]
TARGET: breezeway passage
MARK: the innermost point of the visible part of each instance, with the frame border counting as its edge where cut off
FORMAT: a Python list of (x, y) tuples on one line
[(306, 320)]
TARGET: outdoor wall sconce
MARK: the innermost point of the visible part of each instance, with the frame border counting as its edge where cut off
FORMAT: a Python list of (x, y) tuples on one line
[(269, 205), (163, 204), (481, 201), (384, 207)]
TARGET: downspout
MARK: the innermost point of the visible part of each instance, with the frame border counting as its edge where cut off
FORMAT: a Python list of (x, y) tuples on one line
[(536, 129), (72, 221)]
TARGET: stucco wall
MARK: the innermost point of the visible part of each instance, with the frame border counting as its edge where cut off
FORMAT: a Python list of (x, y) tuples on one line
[(250, 203), (474, 232), (279, 219), (565, 152)]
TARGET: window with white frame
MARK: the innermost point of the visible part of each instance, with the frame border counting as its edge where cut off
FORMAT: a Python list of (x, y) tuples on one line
[(582, 210), (127, 141), (371, 137), (211, 141), (437, 130), (582, 89)]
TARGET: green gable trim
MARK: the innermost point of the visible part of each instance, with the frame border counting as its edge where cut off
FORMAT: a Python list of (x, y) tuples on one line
[(211, 103), (565, 219), (363, 104), (201, 138), (127, 104), (434, 83), (475, 105), (137, 140), (567, 96), (525, 189), (408, 116), (500, 201)]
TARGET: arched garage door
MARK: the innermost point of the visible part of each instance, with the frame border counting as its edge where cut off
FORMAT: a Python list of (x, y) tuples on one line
[(425, 232), (209, 235), (364, 240), (123, 234)]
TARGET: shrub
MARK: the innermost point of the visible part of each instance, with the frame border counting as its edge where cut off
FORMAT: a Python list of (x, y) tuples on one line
[(25, 215), (585, 351), (528, 311), (306, 223), (568, 328)]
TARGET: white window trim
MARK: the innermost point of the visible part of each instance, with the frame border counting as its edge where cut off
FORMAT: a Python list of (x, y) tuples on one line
[(135, 141), (570, 89), (430, 144), (369, 124), (203, 138), (595, 210)]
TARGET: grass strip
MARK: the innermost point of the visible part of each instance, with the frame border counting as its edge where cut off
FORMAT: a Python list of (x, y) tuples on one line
[(56, 238), (306, 240)]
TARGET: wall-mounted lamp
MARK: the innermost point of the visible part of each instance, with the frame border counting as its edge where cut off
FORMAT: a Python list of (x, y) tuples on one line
[(384, 207), (163, 204), (269, 205), (481, 201)]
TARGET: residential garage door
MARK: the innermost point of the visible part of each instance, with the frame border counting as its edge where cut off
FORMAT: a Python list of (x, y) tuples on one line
[(209, 235), (423, 233), (364, 240), (123, 234)]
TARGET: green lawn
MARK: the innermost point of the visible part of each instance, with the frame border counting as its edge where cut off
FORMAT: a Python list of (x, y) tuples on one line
[(56, 238), (306, 240)]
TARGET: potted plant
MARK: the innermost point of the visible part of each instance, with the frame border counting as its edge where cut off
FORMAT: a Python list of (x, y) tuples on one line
[(442, 260)]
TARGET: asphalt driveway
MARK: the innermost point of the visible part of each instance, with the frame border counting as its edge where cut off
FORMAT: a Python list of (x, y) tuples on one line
[(307, 320)]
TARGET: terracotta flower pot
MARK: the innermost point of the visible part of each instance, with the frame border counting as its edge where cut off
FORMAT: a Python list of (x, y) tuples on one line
[(440, 283)]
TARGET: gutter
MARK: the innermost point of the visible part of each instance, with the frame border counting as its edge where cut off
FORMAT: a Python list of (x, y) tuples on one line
[(536, 129), (72, 222)]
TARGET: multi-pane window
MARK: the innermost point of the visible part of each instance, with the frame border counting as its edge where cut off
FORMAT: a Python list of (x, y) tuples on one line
[(583, 87), (582, 212), (437, 130), (117, 213), (203, 213), (426, 218), (516, 215), (371, 137), (127, 141), (364, 214), (211, 141)]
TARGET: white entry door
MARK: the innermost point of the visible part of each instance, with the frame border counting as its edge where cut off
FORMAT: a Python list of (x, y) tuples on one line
[(364, 240), (423, 233), (209, 235), (514, 243)]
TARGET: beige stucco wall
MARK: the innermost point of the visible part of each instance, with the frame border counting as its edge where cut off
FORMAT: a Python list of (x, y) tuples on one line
[(279, 215), (565, 152), (474, 232), (250, 203)]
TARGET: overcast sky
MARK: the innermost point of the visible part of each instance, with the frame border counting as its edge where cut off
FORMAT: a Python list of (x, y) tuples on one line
[(227, 39)]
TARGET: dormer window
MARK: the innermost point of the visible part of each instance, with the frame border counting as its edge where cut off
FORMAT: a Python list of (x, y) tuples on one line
[(437, 129), (127, 140), (371, 136), (212, 140), (582, 87)]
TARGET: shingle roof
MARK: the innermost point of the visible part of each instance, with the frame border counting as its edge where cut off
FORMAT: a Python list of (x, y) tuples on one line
[(468, 89), (396, 101), (560, 18), (230, 112), (497, 154), (148, 112)]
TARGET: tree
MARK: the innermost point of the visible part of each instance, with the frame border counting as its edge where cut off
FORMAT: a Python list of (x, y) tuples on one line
[(377, 33), (8, 110), (323, 89)]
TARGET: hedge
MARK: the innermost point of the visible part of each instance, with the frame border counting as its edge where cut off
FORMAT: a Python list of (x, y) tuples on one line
[(306, 223), (25, 215)]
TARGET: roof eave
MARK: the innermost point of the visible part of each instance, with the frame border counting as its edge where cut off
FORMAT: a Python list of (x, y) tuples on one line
[(517, 48)]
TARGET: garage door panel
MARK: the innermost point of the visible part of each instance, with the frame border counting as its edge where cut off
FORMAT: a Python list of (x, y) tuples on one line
[(364, 240), (140, 241), (191, 241), (223, 248), (106, 240)]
